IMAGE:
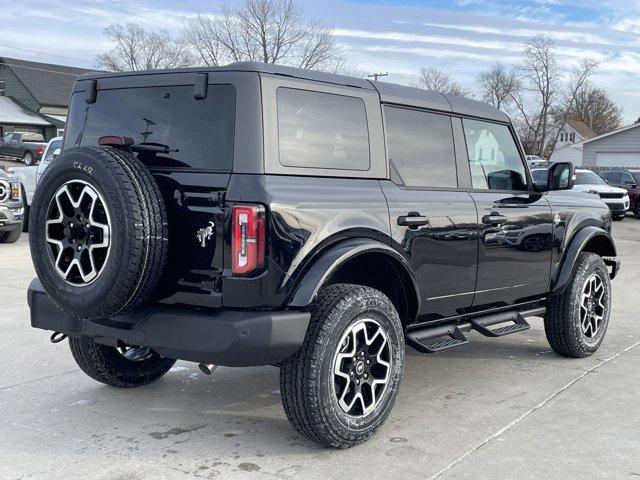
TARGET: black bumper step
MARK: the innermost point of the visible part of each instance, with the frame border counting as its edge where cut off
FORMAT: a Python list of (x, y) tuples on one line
[(422, 340), (517, 324)]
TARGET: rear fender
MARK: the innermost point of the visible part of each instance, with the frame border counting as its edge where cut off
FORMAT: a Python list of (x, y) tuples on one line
[(324, 267)]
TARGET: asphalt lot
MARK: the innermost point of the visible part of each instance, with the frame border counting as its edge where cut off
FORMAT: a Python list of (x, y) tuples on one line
[(496, 408)]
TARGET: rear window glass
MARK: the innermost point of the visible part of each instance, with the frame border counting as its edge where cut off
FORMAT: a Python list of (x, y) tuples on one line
[(322, 130), (198, 133)]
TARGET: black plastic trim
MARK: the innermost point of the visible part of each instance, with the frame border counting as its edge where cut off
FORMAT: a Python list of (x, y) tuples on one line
[(236, 338)]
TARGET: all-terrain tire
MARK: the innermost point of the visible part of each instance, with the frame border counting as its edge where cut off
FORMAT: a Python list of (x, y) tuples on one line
[(562, 322), (307, 379), (10, 237), (107, 365), (138, 232), (28, 159)]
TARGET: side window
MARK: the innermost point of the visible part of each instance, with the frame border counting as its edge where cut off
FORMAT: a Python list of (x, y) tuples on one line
[(421, 147), (606, 176), (627, 179), (494, 158), (615, 178), (322, 130)]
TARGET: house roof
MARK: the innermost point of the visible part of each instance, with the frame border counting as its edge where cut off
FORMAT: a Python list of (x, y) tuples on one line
[(615, 132), (12, 113), (49, 84), (582, 128)]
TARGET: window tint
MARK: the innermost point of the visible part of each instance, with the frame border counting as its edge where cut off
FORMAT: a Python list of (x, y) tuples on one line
[(615, 178), (322, 130), (627, 178), (587, 177), (540, 175), (199, 133), (605, 175), (493, 157), (421, 147)]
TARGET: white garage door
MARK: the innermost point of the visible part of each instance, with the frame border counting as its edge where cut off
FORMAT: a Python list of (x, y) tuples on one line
[(630, 160)]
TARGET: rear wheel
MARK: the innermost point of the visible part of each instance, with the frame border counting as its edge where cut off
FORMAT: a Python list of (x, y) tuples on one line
[(122, 367), (339, 388), (576, 320), (28, 158)]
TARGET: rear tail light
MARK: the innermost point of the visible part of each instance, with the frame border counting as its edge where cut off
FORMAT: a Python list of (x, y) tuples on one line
[(39, 150), (248, 242)]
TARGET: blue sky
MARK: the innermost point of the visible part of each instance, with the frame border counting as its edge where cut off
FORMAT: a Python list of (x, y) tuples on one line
[(462, 37)]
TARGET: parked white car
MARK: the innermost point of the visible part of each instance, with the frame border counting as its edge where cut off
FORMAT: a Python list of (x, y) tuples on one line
[(29, 176), (617, 199)]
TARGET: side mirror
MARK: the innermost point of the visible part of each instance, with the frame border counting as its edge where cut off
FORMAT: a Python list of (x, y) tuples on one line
[(56, 152), (562, 176)]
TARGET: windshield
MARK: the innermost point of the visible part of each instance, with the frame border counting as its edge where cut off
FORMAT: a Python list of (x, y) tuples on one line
[(588, 178)]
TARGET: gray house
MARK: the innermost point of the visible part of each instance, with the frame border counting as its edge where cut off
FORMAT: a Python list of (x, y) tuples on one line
[(38, 90), (620, 148)]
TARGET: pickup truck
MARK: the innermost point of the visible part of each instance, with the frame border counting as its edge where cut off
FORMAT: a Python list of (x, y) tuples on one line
[(27, 147), (29, 176)]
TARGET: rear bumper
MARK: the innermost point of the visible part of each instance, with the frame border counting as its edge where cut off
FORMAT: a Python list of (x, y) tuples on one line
[(226, 337)]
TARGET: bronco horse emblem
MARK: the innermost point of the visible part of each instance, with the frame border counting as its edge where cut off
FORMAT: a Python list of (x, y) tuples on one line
[(205, 234)]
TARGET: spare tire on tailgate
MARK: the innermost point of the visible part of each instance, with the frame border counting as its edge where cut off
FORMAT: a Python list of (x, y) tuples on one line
[(99, 233)]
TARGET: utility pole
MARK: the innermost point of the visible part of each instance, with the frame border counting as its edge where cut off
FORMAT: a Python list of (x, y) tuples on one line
[(376, 76)]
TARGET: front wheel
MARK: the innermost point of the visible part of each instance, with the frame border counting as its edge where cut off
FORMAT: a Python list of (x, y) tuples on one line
[(10, 237), (576, 320), (122, 367), (339, 388), (28, 158)]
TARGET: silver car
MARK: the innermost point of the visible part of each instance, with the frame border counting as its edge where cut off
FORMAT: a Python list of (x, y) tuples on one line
[(11, 209)]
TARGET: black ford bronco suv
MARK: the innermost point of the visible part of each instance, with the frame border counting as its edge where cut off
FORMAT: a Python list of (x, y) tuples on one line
[(264, 215)]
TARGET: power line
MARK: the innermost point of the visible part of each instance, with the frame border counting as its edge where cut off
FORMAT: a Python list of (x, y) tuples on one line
[(43, 53), (41, 69)]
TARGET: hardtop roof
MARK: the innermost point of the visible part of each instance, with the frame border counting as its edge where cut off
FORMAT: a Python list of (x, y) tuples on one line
[(389, 92)]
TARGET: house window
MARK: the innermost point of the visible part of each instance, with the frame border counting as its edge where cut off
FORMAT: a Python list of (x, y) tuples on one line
[(572, 137)]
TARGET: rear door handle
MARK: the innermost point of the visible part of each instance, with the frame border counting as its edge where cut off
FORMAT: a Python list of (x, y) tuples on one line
[(494, 219), (412, 220)]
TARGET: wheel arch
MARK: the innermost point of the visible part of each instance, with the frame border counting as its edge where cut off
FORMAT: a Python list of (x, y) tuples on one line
[(588, 239), (364, 262)]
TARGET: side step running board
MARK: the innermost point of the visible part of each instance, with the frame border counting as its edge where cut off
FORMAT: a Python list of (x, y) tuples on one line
[(421, 339), (517, 324), (433, 339)]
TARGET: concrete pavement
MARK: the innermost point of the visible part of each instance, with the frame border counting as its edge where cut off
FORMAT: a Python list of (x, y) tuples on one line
[(496, 408)]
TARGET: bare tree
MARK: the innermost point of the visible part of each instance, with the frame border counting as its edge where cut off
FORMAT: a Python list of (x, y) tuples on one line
[(543, 103), (436, 80), (595, 108), (269, 31), (498, 84), (138, 49)]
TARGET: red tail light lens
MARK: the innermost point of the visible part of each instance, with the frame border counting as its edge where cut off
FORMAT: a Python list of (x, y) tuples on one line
[(248, 242), (40, 150)]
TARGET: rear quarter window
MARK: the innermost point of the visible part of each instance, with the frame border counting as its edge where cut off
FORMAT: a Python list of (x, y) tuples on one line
[(198, 133), (322, 130)]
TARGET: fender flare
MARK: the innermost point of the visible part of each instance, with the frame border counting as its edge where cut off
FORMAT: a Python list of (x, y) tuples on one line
[(330, 261), (576, 246)]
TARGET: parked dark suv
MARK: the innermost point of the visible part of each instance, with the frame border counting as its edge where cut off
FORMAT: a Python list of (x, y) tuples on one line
[(630, 181), (263, 215)]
